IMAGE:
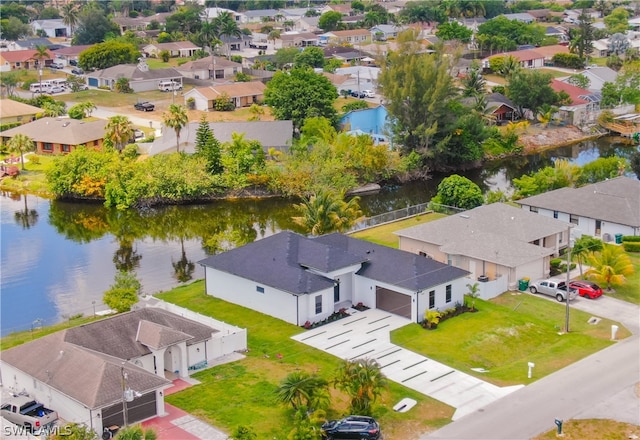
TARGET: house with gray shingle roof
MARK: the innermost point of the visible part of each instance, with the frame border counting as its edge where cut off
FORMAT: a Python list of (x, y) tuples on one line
[(300, 279), (141, 78), (81, 372), (601, 209), (499, 244)]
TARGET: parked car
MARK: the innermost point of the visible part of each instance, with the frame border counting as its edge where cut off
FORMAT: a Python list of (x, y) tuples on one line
[(77, 71), (357, 94), (586, 289), (144, 106), (557, 289), (168, 86), (73, 62), (56, 89), (56, 65), (360, 427), (368, 94), (24, 411)]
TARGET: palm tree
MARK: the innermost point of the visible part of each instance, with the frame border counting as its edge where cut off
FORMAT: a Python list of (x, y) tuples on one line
[(363, 381), (21, 143), (301, 389), (227, 27), (546, 114), (510, 66), (474, 83), (176, 118), (183, 268), (54, 109), (610, 266), (327, 212), (27, 217), (582, 247), (42, 52), (119, 130), (70, 15), (473, 293)]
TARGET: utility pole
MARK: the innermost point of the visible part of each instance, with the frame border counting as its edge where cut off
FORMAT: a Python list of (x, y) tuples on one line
[(124, 395), (566, 325)]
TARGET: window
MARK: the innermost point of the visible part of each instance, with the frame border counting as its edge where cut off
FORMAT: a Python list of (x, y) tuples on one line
[(47, 146), (259, 289), (448, 293), (336, 292), (432, 299), (533, 209), (66, 148), (555, 214), (573, 219), (318, 304)]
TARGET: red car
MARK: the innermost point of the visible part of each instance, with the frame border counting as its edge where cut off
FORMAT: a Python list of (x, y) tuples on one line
[(586, 288)]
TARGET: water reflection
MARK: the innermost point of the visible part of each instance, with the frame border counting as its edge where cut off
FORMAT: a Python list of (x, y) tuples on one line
[(59, 257)]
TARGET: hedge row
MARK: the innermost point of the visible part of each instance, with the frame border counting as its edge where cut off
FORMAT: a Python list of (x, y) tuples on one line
[(9, 125), (631, 246), (628, 238)]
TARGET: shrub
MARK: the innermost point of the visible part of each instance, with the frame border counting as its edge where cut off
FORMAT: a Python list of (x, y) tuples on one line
[(8, 125), (629, 238), (555, 262), (631, 246), (570, 60), (224, 103), (34, 159), (165, 55)]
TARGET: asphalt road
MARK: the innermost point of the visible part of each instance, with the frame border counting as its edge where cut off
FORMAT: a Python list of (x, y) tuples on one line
[(603, 385)]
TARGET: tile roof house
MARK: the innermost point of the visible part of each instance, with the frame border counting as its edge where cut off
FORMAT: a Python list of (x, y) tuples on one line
[(270, 134), (71, 52), (499, 244), (601, 209), (352, 36), (81, 371), (60, 135), (531, 58), (299, 279), (176, 49), (203, 68), (22, 59), (243, 94), (298, 39), (141, 78), (584, 107), (13, 111)]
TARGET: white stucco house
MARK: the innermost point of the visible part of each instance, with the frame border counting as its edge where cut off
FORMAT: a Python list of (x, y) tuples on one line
[(497, 243), (300, 279), (602, 209), (82, 372)]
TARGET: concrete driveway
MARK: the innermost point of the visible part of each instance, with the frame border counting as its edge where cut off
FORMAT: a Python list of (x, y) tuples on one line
[(366, 335)]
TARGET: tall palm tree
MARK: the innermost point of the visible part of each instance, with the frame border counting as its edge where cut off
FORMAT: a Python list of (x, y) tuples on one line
[(21, 143), (227, 28), (183, 268), (209, 37), (326, 212), (119, 130), (42, 52), (582, 247), (54, 109), (176, 118), (363, 381), (301, 389), (610, 266), (70, 15)]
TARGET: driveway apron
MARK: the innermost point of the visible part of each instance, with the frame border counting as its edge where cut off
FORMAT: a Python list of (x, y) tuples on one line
[(367, 335)]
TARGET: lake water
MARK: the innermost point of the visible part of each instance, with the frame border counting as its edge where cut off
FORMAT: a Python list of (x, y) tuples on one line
[(58, 258)]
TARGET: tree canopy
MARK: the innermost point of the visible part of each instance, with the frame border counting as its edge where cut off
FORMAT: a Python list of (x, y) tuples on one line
[(94, 26), (300, 94), (531, 89), (107, 54), (459, 192)]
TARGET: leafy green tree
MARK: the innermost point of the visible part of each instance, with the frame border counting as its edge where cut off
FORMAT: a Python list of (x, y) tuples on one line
[(306, 425), (363, 381), (48, 14), (13, 29), (240, 158), (512, 32), (420, 91), (561, 175), (355, 105), (299, 94), (227, 28), (582, 247), (9, 81), (21, 143), (422, 12), (176, 118), (285, 56), (76, 83), (186, 19), (301, 389), (123, 294), (54, 108), (634, 160), (82, 110), (579, 80), (617, 21), (107, 54), (531, 89), (330, 21), (208, 147), (243, 433), (602, 168), (310, 56), (459, 192), (15, 10), (82, 173), (611, 266), (452, 30), (118, 131), (94, 26), (326, 212)]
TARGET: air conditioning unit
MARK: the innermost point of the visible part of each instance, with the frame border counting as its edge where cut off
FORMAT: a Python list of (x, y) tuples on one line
[(483, 278)]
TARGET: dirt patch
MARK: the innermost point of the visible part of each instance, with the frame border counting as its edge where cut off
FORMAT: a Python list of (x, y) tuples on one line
[(537, 138)]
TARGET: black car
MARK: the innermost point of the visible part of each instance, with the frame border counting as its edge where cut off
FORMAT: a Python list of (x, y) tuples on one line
[(77, 71), (73, 62), (357, 94), (360, 427), (144, 106)]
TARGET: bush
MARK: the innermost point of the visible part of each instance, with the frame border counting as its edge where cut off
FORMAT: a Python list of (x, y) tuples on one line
[(8, 125), (570, 60), (630, 246), (27, 84), (628, 238), (555, 262), (34, 159), (165, 55)]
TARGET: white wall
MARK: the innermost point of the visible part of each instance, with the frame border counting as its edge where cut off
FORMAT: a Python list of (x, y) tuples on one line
[(307, 306)]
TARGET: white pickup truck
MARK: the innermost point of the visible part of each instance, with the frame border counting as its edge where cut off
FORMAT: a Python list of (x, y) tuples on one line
[(555, 288), (24, 411)]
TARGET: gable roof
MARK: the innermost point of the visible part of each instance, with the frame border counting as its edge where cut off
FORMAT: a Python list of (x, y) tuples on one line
[(234, 90), (207, 63), (17, 56), (10, 108), (132, 72), (576, 94), (615, 200), (348, 33), (497, 232), (73, 50), (174, 45), (603, 73), (283, 260), (65, 131)]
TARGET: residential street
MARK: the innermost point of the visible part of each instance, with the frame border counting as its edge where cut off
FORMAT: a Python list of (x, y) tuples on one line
[(603, 385)]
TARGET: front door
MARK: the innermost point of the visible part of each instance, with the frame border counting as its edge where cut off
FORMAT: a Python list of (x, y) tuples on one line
[(598, 227)]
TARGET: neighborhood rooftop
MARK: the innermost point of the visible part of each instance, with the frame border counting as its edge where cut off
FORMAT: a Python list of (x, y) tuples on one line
[(64, 131)]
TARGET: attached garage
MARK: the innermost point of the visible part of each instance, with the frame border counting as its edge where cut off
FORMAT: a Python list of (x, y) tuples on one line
[(394, 302), (141, 408), (93, 82)]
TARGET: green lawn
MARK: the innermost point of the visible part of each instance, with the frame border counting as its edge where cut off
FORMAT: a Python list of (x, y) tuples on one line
[(630, 291), (157, 63), (384, 234), (105, 98)]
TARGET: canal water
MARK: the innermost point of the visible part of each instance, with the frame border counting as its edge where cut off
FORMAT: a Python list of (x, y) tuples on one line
[(58, 258)]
